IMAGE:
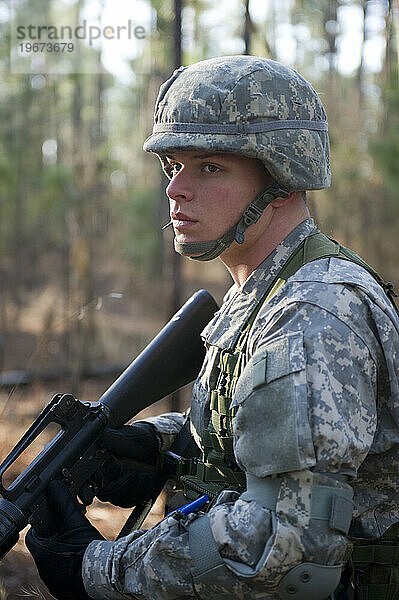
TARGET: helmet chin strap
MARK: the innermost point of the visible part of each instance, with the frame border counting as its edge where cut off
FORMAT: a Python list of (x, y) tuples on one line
[(253, 212)]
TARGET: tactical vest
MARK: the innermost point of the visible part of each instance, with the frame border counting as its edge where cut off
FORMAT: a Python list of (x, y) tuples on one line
[(217, 469)]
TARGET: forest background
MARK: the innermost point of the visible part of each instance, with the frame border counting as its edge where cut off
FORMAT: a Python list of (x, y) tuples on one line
[(87, 277)]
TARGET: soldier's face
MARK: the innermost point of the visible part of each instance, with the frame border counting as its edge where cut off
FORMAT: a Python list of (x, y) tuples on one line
[(209, 192)]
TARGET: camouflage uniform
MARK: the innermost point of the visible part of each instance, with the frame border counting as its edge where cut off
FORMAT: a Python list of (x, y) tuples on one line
[(317, 405), (324, 415)]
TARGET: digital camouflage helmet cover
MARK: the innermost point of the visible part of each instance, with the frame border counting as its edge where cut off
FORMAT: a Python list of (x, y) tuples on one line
[(249, 106)]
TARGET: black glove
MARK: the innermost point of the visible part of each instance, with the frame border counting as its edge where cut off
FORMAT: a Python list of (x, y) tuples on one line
[(59, 556), (126, 483)]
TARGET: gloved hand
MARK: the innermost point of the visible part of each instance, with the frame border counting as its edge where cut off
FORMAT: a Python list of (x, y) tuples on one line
[(126, 483), (59, 556)]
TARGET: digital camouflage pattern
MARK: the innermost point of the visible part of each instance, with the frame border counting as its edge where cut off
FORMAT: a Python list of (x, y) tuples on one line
[(337, 339), (168, 426), (226, 104)]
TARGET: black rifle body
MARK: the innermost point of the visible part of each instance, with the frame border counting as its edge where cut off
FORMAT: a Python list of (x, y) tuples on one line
[(76, 453)]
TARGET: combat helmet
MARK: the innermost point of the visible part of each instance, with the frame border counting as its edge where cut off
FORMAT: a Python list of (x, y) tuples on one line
[(250, 106)]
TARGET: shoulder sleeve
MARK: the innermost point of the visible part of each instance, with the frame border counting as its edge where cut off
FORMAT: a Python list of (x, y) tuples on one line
[(307, 397)]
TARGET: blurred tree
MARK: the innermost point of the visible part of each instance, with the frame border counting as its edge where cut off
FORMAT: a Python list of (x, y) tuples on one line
[(248, 28), (384, 149), (177, 280), (82, 207)]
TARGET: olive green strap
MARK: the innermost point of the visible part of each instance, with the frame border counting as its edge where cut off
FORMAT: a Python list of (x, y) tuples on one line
[(316, 246)]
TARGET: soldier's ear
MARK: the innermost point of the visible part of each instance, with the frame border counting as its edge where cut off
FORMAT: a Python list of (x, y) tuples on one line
[(278, 202)]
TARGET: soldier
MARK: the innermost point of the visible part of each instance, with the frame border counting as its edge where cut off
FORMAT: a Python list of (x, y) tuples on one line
[(296, 408)]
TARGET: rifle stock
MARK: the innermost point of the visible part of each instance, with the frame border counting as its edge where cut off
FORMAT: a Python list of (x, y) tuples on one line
[(75, 454)]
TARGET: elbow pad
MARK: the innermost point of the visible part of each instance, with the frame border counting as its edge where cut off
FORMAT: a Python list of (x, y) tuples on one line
[(281, 567)]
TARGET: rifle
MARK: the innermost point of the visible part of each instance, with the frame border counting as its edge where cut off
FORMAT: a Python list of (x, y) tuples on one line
[(76, 452)]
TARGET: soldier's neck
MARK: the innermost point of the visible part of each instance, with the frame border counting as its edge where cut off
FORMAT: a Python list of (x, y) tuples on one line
[(242, 260)]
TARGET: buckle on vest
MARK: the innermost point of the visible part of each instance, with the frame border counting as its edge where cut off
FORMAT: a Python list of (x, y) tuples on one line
[(174, 465), (189, 466)]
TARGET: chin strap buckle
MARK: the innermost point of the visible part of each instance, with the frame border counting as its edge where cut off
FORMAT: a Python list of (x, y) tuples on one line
[(250, 216), (254, 210)]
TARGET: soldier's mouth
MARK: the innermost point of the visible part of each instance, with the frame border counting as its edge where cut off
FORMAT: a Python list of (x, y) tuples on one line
[(180, 221)]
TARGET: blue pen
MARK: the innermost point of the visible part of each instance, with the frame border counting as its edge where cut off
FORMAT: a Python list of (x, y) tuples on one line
[(185, 510)]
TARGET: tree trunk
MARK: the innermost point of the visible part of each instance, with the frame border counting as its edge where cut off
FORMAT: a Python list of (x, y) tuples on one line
[(247, 29), (360, 71), (394, 10)]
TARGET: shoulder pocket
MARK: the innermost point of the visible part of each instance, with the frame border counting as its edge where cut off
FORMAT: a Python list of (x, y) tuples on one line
[(285, 355), (272, 433)]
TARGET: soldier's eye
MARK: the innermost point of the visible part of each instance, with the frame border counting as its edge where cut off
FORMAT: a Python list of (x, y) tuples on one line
[(175, 167), (211, 168)]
